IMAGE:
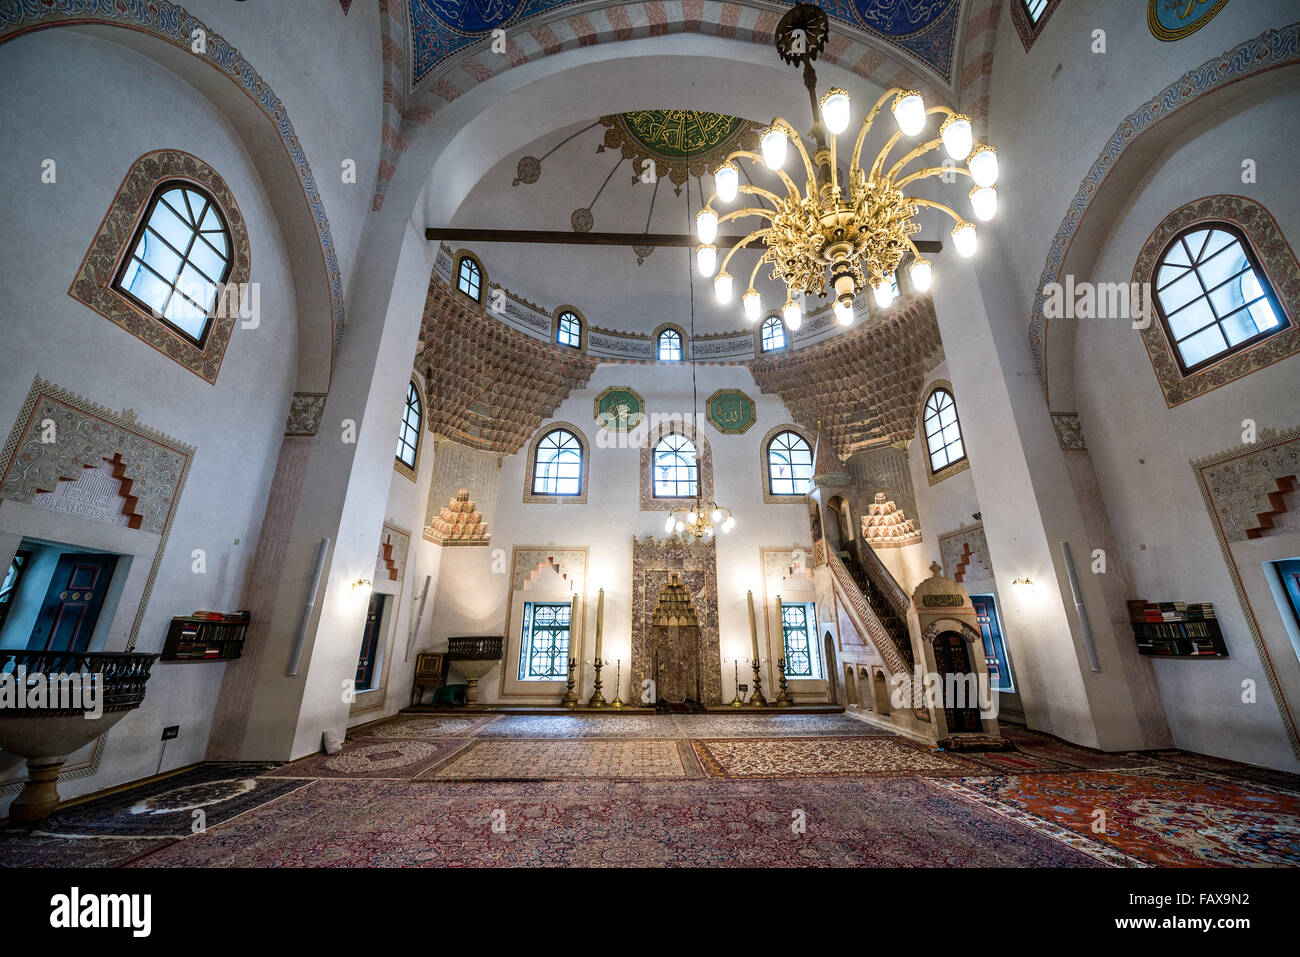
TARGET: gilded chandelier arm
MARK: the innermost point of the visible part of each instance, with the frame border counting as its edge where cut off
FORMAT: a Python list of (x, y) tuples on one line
[(755, 157), (931, 171), (759, 191), (747, 211), (757, 266), (798, 141), (866, 124), (918, 151), (939, 206), (741, 245)]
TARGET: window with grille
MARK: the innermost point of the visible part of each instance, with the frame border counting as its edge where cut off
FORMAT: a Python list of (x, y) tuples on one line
[(557, 469), (469, 279), (676, 468), (544, 649), (670, 346), (569, 332), (773, 334), (942, 430), (799, 626), (789, 464)]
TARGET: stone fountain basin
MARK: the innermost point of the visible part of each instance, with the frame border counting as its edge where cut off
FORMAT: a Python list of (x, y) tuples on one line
[(474, 668), (36, 736)]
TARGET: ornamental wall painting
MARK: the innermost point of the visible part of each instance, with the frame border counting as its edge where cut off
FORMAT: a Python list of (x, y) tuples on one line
[(619, 409), (1171, 20), (731, 412)]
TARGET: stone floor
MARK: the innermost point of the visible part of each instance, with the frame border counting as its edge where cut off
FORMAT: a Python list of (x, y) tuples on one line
[(456, 789)]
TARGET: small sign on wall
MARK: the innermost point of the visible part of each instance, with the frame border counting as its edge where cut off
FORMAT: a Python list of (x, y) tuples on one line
[(731, 412)]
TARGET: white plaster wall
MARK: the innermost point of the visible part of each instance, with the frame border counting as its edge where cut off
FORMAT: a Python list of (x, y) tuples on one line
[(1049, 127), (1141, 449), (89, 117), (473, 582)]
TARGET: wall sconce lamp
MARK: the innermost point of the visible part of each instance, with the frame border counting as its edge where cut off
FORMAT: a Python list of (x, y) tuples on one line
[(362, 585), (1022, 581)]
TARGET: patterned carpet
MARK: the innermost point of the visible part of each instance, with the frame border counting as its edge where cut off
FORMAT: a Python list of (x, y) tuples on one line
[(396, 758), (1155, 816), (561, 760), (821, 757), (706, 823), (682, 790)]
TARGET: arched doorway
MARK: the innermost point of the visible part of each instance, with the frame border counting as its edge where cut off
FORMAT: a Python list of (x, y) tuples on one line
[(952, 658), (832, 675)]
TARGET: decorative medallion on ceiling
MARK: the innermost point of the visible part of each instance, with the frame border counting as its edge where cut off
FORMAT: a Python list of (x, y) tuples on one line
[(924, 29), (676, 143)]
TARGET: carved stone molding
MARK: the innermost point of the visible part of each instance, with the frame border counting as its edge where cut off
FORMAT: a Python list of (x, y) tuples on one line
[(1235, 486), (1282, 272), (885, 525), (93, 284), (394, 544), (1069, 433), (306, 409), (960, 548), (530, 560), (654, 562), (81, 434)]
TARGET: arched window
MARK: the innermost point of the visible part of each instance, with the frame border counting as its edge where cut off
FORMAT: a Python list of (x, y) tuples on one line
[(558, 467), (773, 334), (408, 434), (1034, 9), (942, 430), (1213, 297), (789, 464), (569, 331), (670, 346), (180, 259), (469, 278), (676, 467)]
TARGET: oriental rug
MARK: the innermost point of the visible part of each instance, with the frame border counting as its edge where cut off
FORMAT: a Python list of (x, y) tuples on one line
[(882, 822), (20, 847), (397, 758), (1186, 761), (426, 726), (1042, 745), (822, 757), (525, 760), (168, 805), (773, 725), (582, 726), (1157, 816)]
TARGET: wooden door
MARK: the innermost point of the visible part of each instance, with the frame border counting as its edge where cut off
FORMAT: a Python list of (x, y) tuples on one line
[(370, 642), (951, 658), (72, 603)]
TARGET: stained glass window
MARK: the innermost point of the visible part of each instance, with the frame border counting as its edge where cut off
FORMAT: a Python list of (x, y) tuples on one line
[(773, 334), (670, 346), (558, 467), (469, 279), (676, 468), (799, 623), (544, 650), (569, 332), (408, 434), (942, 430), (789, 464), (180, 260), (1213, 297)]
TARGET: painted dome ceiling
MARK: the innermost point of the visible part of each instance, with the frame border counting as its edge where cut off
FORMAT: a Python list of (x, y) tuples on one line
[(924, 30)]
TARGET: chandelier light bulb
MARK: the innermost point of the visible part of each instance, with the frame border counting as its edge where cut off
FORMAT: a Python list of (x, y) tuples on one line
[(706, 259), (835, 110), (792, 315), (727, 181), (690, 517), (679, 526), (753, 304), (722, 287), (983, 165), (729, 524), (984, 201), (843, 310), (921, 275), (706, 225), (909, 112), (773, 145), (715, 516), (963, 235), (958, 137), (883, 293)]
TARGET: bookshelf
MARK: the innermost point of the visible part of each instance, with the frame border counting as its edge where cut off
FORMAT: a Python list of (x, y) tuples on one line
[(1175, 629), (206, 636)]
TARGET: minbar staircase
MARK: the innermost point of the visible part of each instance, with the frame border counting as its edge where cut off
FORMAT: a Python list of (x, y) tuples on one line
[(877, 606)]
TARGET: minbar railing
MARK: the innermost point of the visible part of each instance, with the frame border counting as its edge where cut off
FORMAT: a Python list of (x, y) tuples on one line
[(124, 675), (482, 648), (882, 604), (895, 645)]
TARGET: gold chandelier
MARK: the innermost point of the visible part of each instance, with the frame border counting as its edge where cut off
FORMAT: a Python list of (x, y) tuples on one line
[(859, 231), (701, 520)]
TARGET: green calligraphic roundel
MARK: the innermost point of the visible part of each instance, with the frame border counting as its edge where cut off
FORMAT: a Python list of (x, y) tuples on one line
[(680, 134), (619, 409), (730, 411)]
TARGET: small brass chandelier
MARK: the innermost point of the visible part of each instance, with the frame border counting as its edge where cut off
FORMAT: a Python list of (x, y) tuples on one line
[(701, 520), (859, 231)]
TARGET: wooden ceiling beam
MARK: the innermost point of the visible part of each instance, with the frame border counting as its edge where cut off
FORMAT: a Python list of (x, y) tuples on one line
[(562, 238)]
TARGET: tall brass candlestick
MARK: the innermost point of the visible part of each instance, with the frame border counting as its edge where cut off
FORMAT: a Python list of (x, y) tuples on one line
[(618, 681), (735, 667), (753, 626), (600, 620)]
